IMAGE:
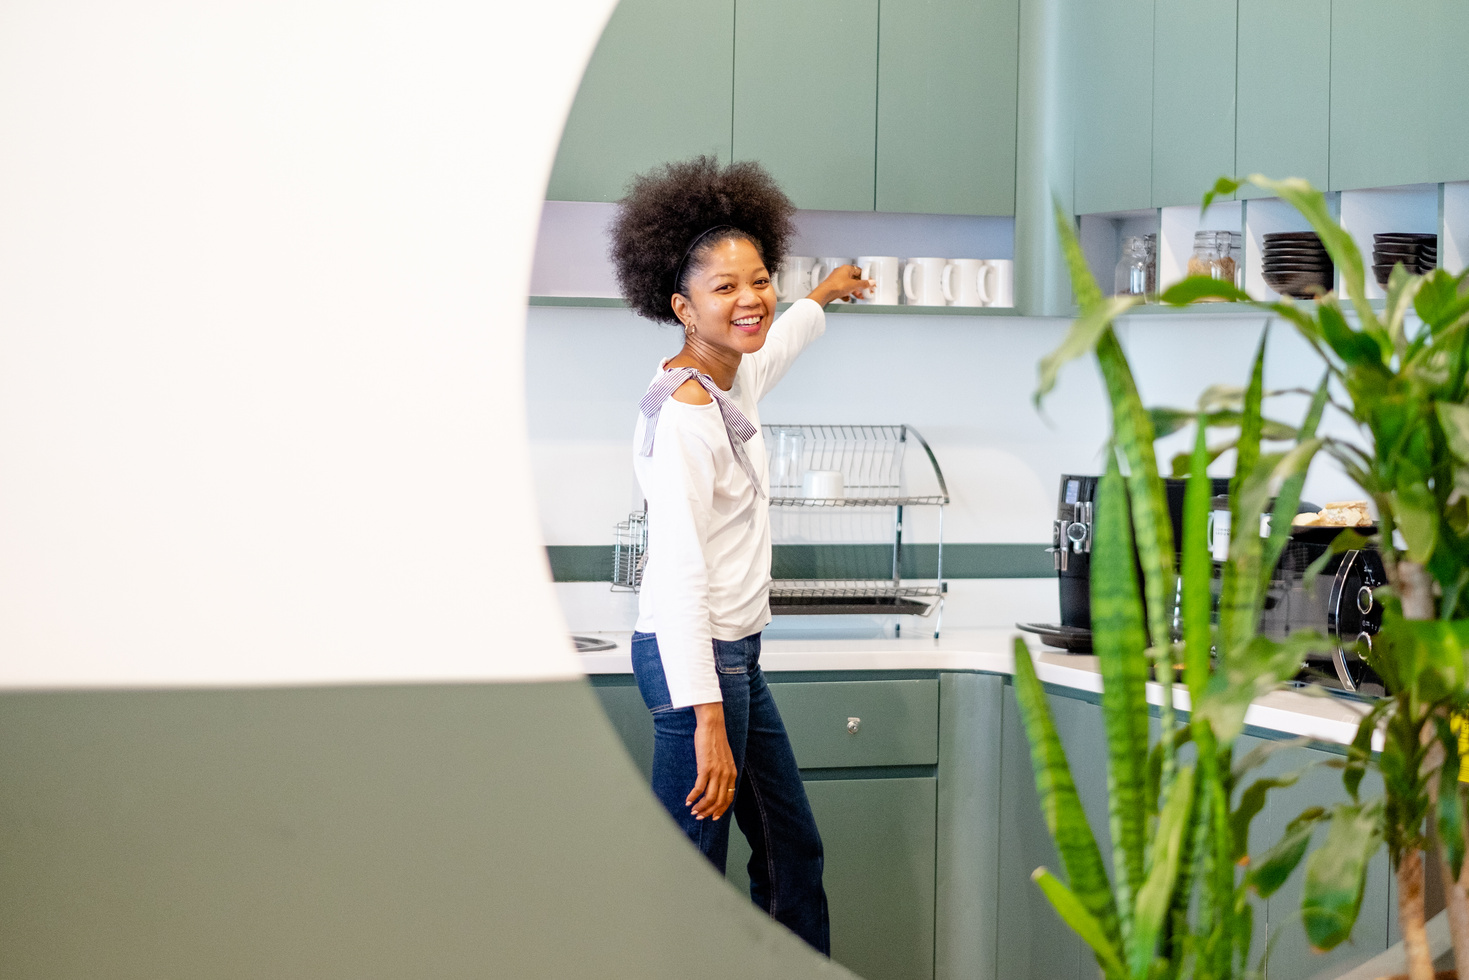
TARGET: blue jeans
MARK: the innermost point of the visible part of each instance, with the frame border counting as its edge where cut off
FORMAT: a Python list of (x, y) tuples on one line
[(770, 801)]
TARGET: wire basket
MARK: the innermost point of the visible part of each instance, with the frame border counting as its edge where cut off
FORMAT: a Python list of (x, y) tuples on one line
[(870, 459), (629, 552)]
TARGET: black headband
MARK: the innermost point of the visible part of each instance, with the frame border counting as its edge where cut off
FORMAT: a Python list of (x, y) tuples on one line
[(678, 273)]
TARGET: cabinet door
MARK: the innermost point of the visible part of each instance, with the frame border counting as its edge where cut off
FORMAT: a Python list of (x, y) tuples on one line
[(1283, 127), (947, 72), (1399, 86), (879, 839), (1290, 951), (629, 718), (1193, 98), (805, 97), (658, 88), (1114, 106)]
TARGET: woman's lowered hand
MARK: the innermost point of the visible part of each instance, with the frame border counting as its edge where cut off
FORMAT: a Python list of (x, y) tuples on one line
[(714, 789), (844, 282)]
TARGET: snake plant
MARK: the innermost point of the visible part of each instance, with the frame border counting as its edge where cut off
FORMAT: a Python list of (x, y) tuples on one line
[(1171, 904)]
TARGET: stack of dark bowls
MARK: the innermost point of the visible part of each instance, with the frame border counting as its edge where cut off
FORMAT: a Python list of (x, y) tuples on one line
[(1417, 253), (1296, 264)]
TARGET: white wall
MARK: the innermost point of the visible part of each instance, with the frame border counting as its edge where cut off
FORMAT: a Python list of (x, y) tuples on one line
[(262, 280), (965, 383)]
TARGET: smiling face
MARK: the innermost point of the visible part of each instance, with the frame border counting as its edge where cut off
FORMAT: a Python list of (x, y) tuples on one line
[(728, 301)]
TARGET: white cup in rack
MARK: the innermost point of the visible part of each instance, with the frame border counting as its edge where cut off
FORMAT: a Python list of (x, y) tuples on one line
[(823, 485)]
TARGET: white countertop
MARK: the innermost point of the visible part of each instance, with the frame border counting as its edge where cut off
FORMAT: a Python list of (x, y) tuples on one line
[(1288, 712)]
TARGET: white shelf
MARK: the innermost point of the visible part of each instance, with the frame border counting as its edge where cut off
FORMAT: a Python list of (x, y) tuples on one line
[(571, 259)]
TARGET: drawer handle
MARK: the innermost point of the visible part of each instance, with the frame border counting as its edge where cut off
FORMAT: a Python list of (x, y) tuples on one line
[(853, 724)]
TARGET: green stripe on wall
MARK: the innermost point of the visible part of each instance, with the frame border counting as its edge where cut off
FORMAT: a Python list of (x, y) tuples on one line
[(593, 563)]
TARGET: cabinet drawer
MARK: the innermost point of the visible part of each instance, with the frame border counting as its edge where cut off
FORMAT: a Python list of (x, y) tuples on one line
[(897, 722)]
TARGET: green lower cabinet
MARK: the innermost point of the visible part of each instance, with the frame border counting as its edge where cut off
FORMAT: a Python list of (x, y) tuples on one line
[(878, 836), (1291, 955)]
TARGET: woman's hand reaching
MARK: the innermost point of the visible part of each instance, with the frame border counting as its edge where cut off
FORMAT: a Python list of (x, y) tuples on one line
[(844, 283), (714, 790)]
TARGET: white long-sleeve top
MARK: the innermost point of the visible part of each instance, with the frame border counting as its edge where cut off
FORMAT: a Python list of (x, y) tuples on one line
[(707, 574)]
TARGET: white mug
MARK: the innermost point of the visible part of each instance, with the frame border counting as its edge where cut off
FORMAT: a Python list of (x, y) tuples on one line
[(794, 279), (968, 282), (823, 485), (1003, 291), (825, 266), (883, 271), (923, 282)]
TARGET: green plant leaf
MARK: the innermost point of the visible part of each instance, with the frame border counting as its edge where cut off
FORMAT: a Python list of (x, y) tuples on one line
[(1223, 187), (1076, 915), (1080, 340), (1251, 802), (1355, 348), (1359, 753), (1336, 874), (1088, 294), (1274, 867), (1195, 288), (1120, 644), (1416, 510), (1239, 580), (1454, 419), (1153, 900), (1061, 804), (1402, 286), (1198, 572), (1152, 526), (1251, 670)]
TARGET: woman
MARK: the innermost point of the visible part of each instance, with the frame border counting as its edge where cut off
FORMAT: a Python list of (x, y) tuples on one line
[(694, 244)]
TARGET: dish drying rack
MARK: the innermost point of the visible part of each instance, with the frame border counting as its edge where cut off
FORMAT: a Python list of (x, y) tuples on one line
[(853, 542)]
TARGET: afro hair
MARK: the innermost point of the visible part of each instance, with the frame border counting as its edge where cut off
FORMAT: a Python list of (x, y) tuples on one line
[(667, 208)]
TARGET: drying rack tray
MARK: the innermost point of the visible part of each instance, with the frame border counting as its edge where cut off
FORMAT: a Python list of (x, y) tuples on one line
[(790, 597), (870, 458)]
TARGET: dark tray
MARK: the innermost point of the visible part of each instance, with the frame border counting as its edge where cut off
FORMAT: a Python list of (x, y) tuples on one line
[(1072, 639), (848, 606)]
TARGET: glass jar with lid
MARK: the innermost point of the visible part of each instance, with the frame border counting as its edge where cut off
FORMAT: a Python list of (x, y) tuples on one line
[(1213, 256), (1131, 278)]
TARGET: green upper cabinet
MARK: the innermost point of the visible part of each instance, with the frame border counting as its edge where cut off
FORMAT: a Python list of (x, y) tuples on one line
[(1284, 86), (1399, 87), (658, 88), (805, 97), (1114, 106), (1193, 98), (946, 86)]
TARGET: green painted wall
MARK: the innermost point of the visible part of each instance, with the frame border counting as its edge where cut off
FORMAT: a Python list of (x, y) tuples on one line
[(441, 831)]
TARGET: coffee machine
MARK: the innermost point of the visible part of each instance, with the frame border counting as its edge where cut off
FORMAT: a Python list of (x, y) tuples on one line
[(1338, 603)]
